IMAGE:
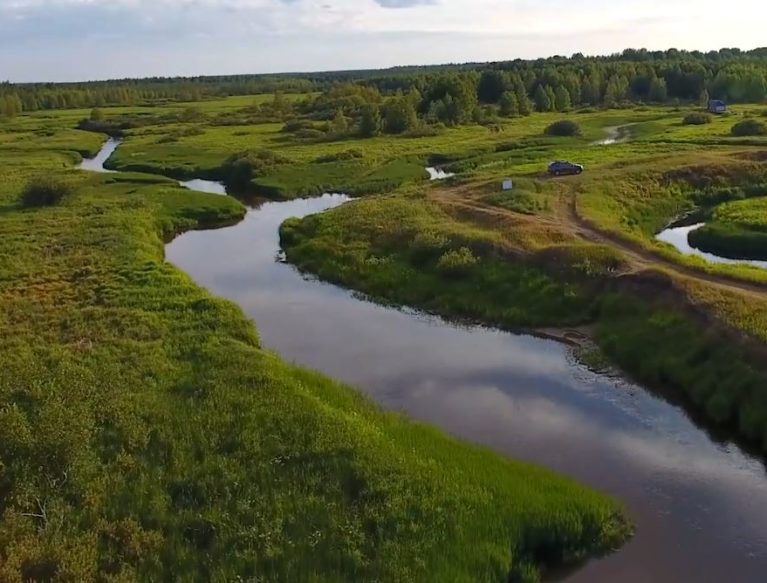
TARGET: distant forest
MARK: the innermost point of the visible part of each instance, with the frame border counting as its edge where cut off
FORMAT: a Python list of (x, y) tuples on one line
[(449, 93)]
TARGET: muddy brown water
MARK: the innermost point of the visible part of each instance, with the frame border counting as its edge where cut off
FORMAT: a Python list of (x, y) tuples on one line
[(699, 506)]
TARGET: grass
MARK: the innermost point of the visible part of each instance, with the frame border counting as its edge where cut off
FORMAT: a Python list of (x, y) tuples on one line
[(737, 230), (408, 251), (686, 359), (145, 435), (199, 148)]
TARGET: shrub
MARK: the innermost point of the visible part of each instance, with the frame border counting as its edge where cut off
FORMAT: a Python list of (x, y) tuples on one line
[(44, 191), (423, 131), (749, 127), (696, 119), (427, 246), (309, 134), (295, 125), (457, 261), (563, 128), (353, 154), (239, 169)]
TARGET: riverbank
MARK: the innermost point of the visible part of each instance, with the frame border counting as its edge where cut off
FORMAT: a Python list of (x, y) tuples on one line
[(410, 252), (168, 444), (521, 395)]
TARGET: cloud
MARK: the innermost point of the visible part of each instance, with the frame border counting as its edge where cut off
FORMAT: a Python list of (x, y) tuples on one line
[(74, 39), (404, 3)]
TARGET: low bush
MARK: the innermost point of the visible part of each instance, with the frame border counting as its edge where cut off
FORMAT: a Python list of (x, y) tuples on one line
[(239, 169), (45, 191), (457, 261), (424, 131), (353, 154), (696, 119), (563, 128), (295, 125), (749, 127)]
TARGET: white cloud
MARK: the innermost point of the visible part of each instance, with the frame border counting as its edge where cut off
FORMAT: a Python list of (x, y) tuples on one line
[(209, 36)]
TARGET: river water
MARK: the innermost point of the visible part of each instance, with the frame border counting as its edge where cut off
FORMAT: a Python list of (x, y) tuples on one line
[(700, 507), (679, 238)]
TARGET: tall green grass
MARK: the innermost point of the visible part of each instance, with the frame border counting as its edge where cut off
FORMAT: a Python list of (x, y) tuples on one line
[(145, 435)]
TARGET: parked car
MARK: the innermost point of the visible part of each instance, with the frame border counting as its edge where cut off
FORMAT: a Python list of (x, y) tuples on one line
[(560, 168)]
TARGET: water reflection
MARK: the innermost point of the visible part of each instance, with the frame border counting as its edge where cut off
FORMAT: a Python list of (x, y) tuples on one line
[(679, 238), (700, 506), (96, 164), (438, 174)]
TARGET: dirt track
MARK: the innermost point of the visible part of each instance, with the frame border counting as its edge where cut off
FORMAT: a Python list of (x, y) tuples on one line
[(463, 201)]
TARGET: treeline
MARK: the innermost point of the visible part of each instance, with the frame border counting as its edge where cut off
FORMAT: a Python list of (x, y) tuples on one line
[(556, 83), (36, 97)]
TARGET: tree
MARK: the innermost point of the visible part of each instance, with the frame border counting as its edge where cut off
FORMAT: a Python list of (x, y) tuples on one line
[(552, 97), (10, 105), (509, 104), (562, 99), (399, 116), (617, 88), (492, 85), (591, 90), (370, 121), (340, 124), (573, 86), (97, 115), (704, 99), (658, 91), (542, 99), (525, 105), (462, 93)]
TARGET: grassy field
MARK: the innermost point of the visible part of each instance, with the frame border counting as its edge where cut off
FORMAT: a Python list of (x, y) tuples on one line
[(144, 434), (199, 146)]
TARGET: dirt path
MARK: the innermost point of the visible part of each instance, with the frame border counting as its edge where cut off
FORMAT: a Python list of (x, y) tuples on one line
[(642, 257), (464, 201)]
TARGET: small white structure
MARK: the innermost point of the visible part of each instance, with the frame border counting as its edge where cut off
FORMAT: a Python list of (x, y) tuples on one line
[(507, 184)]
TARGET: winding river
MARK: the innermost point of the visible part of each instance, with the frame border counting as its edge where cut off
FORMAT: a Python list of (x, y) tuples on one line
[(679, 238), (700, 506)]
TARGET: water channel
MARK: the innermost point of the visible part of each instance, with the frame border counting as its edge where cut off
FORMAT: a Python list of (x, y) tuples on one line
[(700, 506)]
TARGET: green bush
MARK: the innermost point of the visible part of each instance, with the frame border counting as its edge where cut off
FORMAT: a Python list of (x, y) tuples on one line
[(696, 119), (44, 191), (457, 261), (353, 154), (239, 169), (295, 125), (563, 128), (749, 127)]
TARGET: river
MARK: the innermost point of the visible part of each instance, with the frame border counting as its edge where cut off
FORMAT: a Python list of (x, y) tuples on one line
[(679, 238), (700, 506)]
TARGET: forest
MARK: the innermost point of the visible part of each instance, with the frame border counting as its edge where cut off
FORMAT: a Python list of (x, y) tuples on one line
[(452, 92)]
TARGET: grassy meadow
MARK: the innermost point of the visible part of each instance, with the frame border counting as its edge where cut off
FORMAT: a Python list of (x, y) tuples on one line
[(145, 435)]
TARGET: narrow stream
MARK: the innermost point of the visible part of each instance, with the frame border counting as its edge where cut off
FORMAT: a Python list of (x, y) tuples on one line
[(679, 238), (615, 135), (700, 507)]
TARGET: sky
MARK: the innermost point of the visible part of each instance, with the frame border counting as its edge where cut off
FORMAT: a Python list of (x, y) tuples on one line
[(72, 40)]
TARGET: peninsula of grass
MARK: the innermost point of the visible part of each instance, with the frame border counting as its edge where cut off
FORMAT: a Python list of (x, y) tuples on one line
[(408, 251), (738, 230), (145, 435)]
